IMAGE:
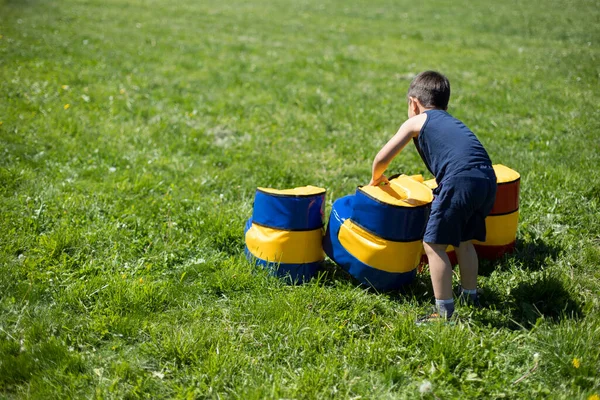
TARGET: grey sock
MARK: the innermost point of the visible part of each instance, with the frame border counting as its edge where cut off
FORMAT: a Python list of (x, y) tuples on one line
[(470, 294), (445, 307)]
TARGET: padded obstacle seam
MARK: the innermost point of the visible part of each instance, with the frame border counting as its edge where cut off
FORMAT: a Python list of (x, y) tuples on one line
[(509, 182), (504, 213), (287, 229), (290, 195), (418, 238)]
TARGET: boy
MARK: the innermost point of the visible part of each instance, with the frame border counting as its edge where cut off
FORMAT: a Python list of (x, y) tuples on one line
[(466, 185)]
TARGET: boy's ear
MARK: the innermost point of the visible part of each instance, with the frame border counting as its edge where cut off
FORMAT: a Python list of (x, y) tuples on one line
[(414, 104)]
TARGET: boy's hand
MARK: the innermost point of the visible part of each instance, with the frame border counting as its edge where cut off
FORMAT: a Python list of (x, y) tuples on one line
[(379, 181)]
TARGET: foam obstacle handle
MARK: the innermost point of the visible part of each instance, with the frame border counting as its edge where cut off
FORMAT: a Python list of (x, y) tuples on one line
[(285, 232), (375, 234)]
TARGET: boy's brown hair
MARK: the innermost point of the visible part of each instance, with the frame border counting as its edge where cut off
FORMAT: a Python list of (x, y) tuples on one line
[(432, 89)]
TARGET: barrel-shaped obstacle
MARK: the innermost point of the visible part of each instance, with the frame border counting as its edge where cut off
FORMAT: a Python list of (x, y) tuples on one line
[(501, 224), (285, 232), (375, 234)]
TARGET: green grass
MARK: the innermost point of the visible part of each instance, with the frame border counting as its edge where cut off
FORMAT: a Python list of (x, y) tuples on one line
[(122, 272)]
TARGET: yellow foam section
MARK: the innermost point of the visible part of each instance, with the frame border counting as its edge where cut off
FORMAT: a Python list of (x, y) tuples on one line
[(430, 183), (505, 174), (418, 178), (379, 253), (289, 247), (500, 229), (299, 191), (402, 191)]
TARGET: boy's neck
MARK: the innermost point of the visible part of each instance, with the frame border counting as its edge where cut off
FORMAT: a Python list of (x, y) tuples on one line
[(415, 107), (423, 109)]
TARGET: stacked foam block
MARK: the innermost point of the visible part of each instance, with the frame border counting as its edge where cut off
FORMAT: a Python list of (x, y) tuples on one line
[(285, 232)]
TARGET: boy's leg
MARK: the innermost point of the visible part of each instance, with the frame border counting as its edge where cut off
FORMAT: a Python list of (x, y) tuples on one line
[(441, 277), (469, 265)]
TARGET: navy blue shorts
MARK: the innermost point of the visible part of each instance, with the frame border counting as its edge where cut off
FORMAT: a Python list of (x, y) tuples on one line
[(460, 206)]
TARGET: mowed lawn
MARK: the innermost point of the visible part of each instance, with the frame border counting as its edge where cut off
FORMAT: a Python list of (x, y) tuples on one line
[(133, 135)]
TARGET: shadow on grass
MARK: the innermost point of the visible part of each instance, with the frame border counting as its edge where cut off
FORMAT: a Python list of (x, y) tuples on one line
[(545, 298), (542, 297), (332, 274), (532, 255), (419, 290)]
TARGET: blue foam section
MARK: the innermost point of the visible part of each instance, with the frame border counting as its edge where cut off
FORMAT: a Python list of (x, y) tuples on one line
[(396, 223), (290, 213)]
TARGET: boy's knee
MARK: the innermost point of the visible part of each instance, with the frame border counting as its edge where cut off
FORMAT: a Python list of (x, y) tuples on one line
[(434, 247), (466, 246)]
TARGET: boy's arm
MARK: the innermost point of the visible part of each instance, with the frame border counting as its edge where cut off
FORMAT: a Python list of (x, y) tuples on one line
[(407, 131)]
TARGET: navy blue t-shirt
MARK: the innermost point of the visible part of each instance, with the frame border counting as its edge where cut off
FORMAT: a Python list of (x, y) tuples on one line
[(448, 147)]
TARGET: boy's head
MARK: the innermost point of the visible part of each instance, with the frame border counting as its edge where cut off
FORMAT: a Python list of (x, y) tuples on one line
[(431, 88)]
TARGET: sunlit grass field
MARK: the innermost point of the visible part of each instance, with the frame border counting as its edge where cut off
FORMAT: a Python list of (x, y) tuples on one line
[(134, 133)]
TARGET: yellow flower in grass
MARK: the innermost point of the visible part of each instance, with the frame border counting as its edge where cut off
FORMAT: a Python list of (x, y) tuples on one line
[(593, 397), (66, 107), (122, 91), (576, 363)]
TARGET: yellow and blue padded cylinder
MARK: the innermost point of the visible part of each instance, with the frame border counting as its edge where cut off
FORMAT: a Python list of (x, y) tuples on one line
[(382, 247), (502, 223), (285, 232)]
